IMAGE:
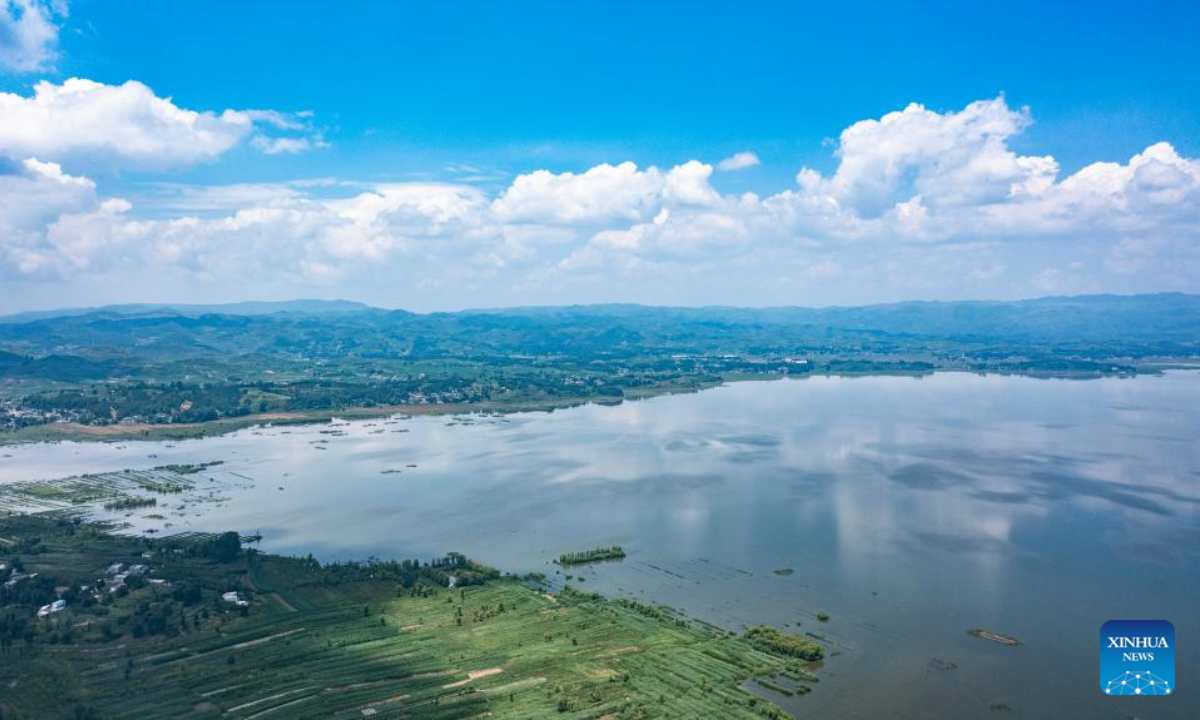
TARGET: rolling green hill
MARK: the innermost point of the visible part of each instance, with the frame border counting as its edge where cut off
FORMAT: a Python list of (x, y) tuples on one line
[(184, 364)]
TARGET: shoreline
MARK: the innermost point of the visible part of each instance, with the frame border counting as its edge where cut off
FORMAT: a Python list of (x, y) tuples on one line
[(68, 431)]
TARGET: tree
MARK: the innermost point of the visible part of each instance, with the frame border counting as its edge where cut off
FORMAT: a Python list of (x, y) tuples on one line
[(226, 547)]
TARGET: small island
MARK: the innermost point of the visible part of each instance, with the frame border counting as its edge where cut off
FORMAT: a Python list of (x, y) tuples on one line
[(131, 503), (775, 641), (994, 637), (599, 554)]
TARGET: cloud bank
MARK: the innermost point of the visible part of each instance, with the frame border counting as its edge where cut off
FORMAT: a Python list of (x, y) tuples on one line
[(920, 204)]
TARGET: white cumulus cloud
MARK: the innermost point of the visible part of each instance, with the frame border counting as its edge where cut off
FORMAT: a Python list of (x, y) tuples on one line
[(34, 195), (29, 34), (605, 193), (739, 161), (921, 203), (947, 159), (97, 125)]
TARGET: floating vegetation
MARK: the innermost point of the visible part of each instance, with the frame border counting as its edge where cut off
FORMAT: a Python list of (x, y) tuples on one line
[(589, 556), (822, 617), (771, 640), (777, 688), (994, 637), (115, 491), (189, 468), (797, 673)]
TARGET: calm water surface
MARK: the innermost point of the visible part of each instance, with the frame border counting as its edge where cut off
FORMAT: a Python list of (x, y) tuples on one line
[(910, 510)]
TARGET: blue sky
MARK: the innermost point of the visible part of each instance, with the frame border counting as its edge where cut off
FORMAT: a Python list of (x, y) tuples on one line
[(390, 152)]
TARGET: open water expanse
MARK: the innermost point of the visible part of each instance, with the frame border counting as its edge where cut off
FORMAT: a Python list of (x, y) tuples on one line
[(909, 510)]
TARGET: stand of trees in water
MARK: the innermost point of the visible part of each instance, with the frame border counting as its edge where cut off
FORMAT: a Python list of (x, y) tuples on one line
[(783, 643), (599, 554)]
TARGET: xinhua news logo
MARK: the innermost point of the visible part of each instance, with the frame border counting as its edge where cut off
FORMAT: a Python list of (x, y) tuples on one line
[(1137, 657)]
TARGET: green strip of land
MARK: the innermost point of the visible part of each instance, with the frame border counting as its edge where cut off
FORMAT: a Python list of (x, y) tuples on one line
[(337, 641)]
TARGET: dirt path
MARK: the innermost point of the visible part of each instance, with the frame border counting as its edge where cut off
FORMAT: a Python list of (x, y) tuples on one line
[(475, 675), (269, 698), (283, 601)]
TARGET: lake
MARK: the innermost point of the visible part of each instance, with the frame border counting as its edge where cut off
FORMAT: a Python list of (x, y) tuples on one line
[(910, 510)]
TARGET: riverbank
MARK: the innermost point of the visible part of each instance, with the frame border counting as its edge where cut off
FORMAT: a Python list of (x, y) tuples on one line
[(77, 432)]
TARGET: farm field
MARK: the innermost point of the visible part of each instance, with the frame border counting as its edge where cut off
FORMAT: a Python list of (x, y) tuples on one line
[(342, 641)]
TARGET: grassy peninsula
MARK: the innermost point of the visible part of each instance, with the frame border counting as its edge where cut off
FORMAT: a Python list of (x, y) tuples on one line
[(201, 626)]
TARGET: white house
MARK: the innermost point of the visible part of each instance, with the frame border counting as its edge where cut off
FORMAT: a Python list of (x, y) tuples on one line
[(233, 597), (52, 607)]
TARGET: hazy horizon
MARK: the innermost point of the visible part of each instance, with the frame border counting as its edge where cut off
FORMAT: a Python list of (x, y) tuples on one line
[(495, 308)]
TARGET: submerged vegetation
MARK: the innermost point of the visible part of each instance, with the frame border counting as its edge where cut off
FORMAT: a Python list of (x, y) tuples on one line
[(599, 554), (104, 625), (114, 491)]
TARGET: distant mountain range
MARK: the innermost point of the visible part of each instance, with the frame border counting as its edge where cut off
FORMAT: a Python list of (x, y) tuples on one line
[(192, 363), (125, 338), (1059, 318), (250, 307), (1148, 317)]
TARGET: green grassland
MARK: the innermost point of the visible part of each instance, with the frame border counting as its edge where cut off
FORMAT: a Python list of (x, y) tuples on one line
[(343, 641)]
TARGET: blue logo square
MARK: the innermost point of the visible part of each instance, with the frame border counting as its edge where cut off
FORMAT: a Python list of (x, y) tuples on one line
[(1137, 657)]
